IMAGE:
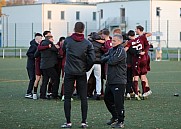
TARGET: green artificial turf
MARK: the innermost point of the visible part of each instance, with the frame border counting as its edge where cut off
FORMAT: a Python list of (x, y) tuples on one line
[(162, 110)]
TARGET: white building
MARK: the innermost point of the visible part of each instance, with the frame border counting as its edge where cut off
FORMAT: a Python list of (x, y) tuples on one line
[(24, 21), (162, 17), (58, 1)]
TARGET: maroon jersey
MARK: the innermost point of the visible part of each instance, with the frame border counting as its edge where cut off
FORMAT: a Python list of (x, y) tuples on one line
[(107, 46), (37, 60), (140, 66), (140, 44)]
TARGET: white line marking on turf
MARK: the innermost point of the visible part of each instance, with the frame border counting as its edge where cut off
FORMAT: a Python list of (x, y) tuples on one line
[(13, 80)]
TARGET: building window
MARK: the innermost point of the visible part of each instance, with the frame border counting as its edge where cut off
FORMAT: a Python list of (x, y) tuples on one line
[(122, 14), (101, 13), (158, 11), (49, 14), (94, 16), (62, 15), (180, 12), (77, 15)]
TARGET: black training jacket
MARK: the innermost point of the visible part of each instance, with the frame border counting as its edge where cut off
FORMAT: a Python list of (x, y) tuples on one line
[(48, 56), (98, 51), (79, 56), (116, 60), (30, 54)]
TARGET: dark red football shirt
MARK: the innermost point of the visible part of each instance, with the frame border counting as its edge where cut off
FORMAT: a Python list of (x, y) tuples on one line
[(140, 44)]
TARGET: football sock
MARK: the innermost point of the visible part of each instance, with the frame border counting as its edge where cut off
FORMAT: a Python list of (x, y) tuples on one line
[(136, 87), (143, 83), (35, 89)]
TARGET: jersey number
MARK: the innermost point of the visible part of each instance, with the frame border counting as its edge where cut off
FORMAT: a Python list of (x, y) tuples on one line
[(138, 47)]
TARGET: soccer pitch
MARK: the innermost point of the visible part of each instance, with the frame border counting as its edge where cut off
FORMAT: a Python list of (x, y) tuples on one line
[(162, 110)]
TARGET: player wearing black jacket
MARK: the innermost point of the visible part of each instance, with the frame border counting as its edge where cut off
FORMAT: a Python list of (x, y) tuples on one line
[(79, 59), (47, 65), (31, 63)]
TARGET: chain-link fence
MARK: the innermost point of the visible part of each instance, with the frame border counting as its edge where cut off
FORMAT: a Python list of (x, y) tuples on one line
[(20, 34)]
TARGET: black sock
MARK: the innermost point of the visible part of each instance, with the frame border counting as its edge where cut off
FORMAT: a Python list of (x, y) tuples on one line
[(35, 90)]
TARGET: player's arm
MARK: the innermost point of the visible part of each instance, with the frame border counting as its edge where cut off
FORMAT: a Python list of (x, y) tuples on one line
[(41, 48), (115, 59), (90, 56), (105, 57), (127, 45), (148, 34), (126, 48)]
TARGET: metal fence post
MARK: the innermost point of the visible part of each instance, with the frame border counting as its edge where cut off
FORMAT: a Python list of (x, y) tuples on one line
[(167, 36), (3, 53), (178, 54), (86, 29), (67, 28), (20, 55), (15, 39), (146, 25), (32, 30)]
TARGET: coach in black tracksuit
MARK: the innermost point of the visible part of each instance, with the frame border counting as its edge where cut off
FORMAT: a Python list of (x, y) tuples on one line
[(47, 65), (79, 59), (116, 81)]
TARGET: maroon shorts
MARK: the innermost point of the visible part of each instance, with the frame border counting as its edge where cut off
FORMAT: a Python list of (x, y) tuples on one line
[(140, 68), (37, 69)]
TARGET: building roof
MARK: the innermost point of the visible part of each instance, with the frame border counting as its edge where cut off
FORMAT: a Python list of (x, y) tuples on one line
[(61, 3), (134, 0)]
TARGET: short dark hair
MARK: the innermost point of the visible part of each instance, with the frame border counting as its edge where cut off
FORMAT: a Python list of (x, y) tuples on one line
[(38, 34), (61, 39), (79, 27), (48, 37), (46, 32), (131, 33), (106, 32), (140, 28)]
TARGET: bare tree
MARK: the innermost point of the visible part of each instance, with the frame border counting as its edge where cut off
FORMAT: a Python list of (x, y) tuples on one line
[(2, 3)]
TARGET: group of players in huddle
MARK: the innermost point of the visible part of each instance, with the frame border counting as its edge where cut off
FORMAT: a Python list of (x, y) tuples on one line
[(89, 62), (138, 64)]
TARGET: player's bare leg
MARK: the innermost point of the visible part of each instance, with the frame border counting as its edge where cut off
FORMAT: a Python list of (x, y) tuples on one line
[(135, 83), (36, 86), (145, 86)]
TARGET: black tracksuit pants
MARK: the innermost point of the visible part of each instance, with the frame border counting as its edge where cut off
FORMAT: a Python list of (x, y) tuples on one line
[(47, 74), (129, 87), (81, 86), (114, 100), (31, 75)]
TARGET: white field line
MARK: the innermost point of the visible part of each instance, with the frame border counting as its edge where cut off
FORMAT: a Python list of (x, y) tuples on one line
[(166, 72), (13, 80), (165, 82)]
